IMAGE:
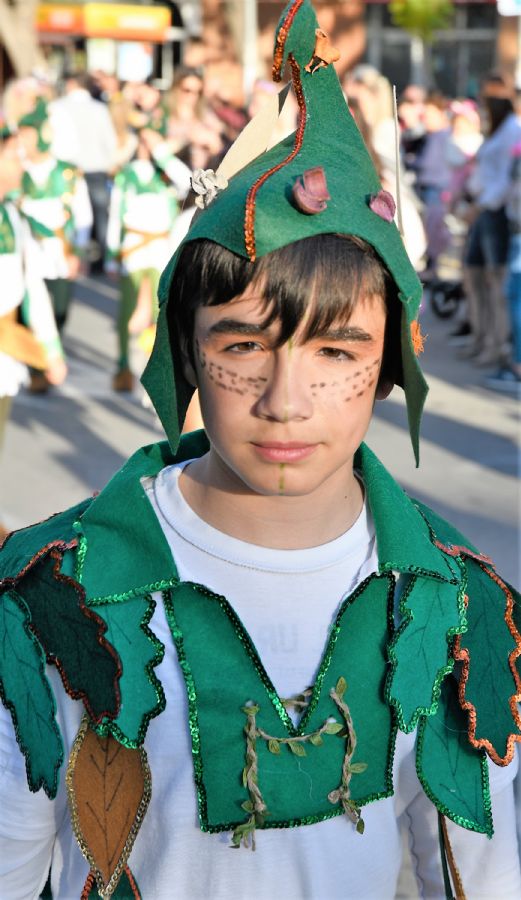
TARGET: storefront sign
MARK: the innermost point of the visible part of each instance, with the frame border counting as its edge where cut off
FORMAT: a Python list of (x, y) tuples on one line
[(119, 21)]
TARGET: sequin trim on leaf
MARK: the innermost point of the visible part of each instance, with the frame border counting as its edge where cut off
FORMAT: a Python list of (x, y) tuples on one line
[(463, 655)]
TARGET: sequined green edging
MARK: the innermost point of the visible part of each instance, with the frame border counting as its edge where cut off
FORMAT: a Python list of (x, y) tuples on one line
[(242, 634), (80, 552), (388, 568), (140, 591), (407, 618), (469, 824), (276, 702), (112, 727)]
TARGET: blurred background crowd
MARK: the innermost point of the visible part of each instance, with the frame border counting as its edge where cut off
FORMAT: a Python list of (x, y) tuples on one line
[(96, 167)]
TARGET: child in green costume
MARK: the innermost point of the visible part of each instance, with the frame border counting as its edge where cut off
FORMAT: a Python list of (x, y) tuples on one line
[(263, 642), (54, 194), (144, 205)]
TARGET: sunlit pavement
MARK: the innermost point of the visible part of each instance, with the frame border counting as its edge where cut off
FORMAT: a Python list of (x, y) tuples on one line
[(62, 446)]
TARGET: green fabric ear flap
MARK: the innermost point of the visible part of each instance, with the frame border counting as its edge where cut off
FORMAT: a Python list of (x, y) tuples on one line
[(414, 385), (265, 207), (165, 383)]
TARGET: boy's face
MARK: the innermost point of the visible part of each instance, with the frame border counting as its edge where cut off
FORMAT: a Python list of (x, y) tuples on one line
[(285, 420), (28, 142)]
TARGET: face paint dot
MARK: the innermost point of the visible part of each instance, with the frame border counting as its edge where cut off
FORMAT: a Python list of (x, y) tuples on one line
[(360, 393), (322, 384), (370, 383)]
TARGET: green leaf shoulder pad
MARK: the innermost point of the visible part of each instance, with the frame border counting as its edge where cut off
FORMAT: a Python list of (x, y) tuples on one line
[(22, 549), (433, 613), (142, 695), (26, 692), (490, 684), (453, 774), (489, 650), (72, 635)]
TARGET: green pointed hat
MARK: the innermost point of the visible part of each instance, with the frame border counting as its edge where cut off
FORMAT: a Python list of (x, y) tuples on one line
[(38, 118), (279, 197)]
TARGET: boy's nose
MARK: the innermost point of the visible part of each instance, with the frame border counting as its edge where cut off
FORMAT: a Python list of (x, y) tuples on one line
[(287, 395)]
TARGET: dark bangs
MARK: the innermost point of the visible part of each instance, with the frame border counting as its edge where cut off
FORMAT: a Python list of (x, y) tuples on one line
[(322, 276)]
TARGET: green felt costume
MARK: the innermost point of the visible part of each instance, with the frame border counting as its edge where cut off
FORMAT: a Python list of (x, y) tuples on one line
[(76, 589), (84, 579)]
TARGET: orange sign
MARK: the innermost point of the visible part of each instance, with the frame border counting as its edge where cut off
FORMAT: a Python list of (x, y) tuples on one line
[(121, 21), (51, 17)]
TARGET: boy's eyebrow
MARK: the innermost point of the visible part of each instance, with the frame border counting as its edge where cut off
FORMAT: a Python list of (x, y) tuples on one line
[(346, 333), (234, 326)]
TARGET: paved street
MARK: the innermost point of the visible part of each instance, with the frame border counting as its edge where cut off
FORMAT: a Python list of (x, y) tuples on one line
[(67, 444)]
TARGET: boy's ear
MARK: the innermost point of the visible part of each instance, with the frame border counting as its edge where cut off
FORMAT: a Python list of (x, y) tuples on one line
[(188, 366)]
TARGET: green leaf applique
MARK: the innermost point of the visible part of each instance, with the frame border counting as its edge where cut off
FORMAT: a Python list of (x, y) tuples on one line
[(142, 695), (490, 687), (433, 612), (72, 636), (28, 695), (453, 774)]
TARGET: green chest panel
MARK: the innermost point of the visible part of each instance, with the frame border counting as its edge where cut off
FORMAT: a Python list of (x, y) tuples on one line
[(226, 680), (60, 183), (7, 235)]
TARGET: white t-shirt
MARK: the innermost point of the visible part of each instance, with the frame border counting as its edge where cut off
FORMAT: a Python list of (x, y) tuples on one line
[(286, 600)]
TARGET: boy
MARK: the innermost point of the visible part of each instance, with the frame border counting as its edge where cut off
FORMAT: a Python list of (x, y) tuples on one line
[(298, 561)]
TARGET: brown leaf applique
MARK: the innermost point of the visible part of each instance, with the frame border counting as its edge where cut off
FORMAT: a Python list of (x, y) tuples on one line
[(109, 789), (324, 53)]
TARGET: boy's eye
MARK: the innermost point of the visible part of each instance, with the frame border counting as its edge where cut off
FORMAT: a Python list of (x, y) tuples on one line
[(335, 353), (243, 347)]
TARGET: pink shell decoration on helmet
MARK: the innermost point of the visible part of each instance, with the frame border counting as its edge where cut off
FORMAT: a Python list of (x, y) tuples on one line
[(383, 205), (310, 191)]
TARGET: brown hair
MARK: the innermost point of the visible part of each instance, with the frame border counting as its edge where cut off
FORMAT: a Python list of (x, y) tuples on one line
[(328, 273)]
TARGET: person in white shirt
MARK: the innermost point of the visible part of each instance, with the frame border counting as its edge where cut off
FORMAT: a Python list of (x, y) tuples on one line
[(83, 134), (252, 639)]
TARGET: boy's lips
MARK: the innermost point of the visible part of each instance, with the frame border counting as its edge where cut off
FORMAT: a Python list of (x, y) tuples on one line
[(277, 451)]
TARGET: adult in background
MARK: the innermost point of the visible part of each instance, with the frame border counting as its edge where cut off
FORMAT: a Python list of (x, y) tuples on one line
[(410, 113), (193, 132), (433, 176), (487, 249), (84, 135), (374, 94)]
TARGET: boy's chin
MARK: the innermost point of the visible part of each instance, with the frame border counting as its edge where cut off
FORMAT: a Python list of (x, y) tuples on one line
[(283, 483)]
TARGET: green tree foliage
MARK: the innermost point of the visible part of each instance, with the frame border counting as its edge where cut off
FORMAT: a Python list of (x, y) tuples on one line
[(422, 17)]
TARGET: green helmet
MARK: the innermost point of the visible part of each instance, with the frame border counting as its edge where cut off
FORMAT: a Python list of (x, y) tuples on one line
[(319, 180)]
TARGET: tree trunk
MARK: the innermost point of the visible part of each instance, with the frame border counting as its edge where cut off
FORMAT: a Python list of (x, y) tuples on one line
[(18, 33)]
